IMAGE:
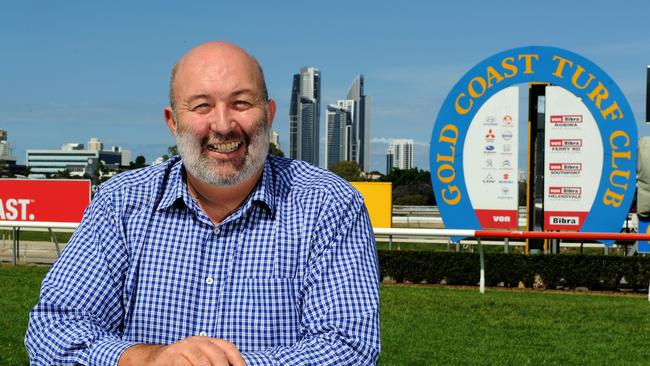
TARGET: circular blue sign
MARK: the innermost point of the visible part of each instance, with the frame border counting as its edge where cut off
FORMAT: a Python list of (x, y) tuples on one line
[(559, 67)]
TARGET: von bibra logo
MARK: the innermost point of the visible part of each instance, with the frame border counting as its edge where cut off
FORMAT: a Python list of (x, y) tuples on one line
[(566, 121), (566, 145), (572, 72)]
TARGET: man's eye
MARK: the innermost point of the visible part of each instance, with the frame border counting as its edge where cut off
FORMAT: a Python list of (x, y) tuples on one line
[(242, 104), (203, 107)]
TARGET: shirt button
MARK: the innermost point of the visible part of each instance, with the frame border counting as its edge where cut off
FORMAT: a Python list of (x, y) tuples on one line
[(209, 280), (216, 230), (203, 334)]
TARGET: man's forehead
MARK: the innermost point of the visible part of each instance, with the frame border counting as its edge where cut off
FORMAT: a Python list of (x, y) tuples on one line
[(217, 65)]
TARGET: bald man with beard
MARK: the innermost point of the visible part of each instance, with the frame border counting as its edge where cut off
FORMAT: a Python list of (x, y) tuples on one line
[(223, 255)]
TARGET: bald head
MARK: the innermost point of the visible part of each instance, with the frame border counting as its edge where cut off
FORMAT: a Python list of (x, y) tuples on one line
[(219, 53)]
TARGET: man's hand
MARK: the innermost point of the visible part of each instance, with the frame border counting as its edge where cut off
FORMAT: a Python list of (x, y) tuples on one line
[(193, 351)]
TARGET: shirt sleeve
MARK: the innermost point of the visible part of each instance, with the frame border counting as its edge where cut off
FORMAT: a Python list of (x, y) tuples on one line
[(340, 307), (78, 317)]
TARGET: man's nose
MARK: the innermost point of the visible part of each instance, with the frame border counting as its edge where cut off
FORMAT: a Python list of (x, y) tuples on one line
[(221, 120)]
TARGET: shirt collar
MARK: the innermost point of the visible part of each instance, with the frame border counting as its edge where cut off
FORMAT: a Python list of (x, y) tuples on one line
[(176, 188), (264, 192)]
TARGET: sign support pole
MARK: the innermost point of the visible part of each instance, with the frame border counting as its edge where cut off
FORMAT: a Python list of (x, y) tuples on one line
[(15, 237), (482, 278)]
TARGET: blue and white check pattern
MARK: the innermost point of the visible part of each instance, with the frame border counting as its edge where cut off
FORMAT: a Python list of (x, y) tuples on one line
[(290, 277)]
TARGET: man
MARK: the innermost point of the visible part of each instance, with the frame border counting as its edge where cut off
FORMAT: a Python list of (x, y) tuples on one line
[(225, 256)]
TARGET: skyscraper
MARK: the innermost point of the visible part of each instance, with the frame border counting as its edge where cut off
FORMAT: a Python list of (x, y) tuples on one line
[(390, 161), (338, 134), (348, 128), (274, 138), (402, 153), (304, 116), (5, 148)]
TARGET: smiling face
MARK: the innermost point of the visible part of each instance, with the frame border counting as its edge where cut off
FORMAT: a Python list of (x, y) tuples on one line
[(221, 119)]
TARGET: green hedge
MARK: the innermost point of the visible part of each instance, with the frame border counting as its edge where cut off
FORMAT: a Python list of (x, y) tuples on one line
[(566, 271)]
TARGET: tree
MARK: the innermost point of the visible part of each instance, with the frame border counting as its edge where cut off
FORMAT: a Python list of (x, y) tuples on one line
[(62, 174), (172, 150), (274, 150), (411, 187), (139, 162), (348, 170)]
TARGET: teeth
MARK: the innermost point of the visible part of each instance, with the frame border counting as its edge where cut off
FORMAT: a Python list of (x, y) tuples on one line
[(224, 148)]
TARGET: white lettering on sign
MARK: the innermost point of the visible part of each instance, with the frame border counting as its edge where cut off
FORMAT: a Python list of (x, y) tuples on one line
[(497, 218), (15, 209)]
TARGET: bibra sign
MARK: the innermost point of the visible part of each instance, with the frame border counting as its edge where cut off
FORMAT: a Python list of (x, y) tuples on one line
[(29, 200), (462, 124)]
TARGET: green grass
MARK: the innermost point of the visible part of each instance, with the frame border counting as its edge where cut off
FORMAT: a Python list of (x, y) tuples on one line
[(19, 289), (442, 326), (62, 237), (439, 326)]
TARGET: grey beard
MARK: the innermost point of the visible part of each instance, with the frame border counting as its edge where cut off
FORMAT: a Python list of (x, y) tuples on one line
[(210, 170)]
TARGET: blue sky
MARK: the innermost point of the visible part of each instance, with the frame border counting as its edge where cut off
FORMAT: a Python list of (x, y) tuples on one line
[(72, 70)]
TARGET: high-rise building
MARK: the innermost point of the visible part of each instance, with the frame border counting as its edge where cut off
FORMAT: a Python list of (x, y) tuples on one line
[(348, 128), (390, 159), (274, 138), (95, 144), (338, 135), (402, 153), (5, 148), (304, 116), (8, 167)]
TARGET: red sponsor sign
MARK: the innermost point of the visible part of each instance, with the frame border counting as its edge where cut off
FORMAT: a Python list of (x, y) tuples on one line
[(43, 200), (498, 219), (564, 220), (571, 118), (564, 190), (565, 142), (568, 167)]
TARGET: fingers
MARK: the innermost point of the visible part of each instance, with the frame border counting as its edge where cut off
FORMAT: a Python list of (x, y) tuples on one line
[(231, 352), (199, 351), (204, 353)]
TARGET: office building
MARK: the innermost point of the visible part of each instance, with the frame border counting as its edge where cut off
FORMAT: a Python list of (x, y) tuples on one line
[(74, 158), (8, 167), (95, 144), (402, 153), (348, 128), (304, 116)]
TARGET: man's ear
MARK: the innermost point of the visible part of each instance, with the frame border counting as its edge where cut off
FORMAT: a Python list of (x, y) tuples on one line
[(169, 118), (270, 111)]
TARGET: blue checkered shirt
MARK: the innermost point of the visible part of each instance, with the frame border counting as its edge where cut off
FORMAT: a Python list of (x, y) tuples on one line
[(290, 277)]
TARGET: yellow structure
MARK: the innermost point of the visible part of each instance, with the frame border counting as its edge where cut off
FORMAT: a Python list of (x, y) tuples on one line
[(379, 201)]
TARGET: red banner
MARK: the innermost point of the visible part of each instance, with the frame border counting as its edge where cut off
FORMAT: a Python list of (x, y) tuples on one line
[(498, 219), (43, 200)]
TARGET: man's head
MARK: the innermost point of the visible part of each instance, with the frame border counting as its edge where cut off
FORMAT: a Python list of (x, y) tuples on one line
[(220, 113)]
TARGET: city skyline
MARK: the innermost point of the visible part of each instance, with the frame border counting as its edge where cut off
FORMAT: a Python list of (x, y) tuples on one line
[(75, 70), (348, 128)]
